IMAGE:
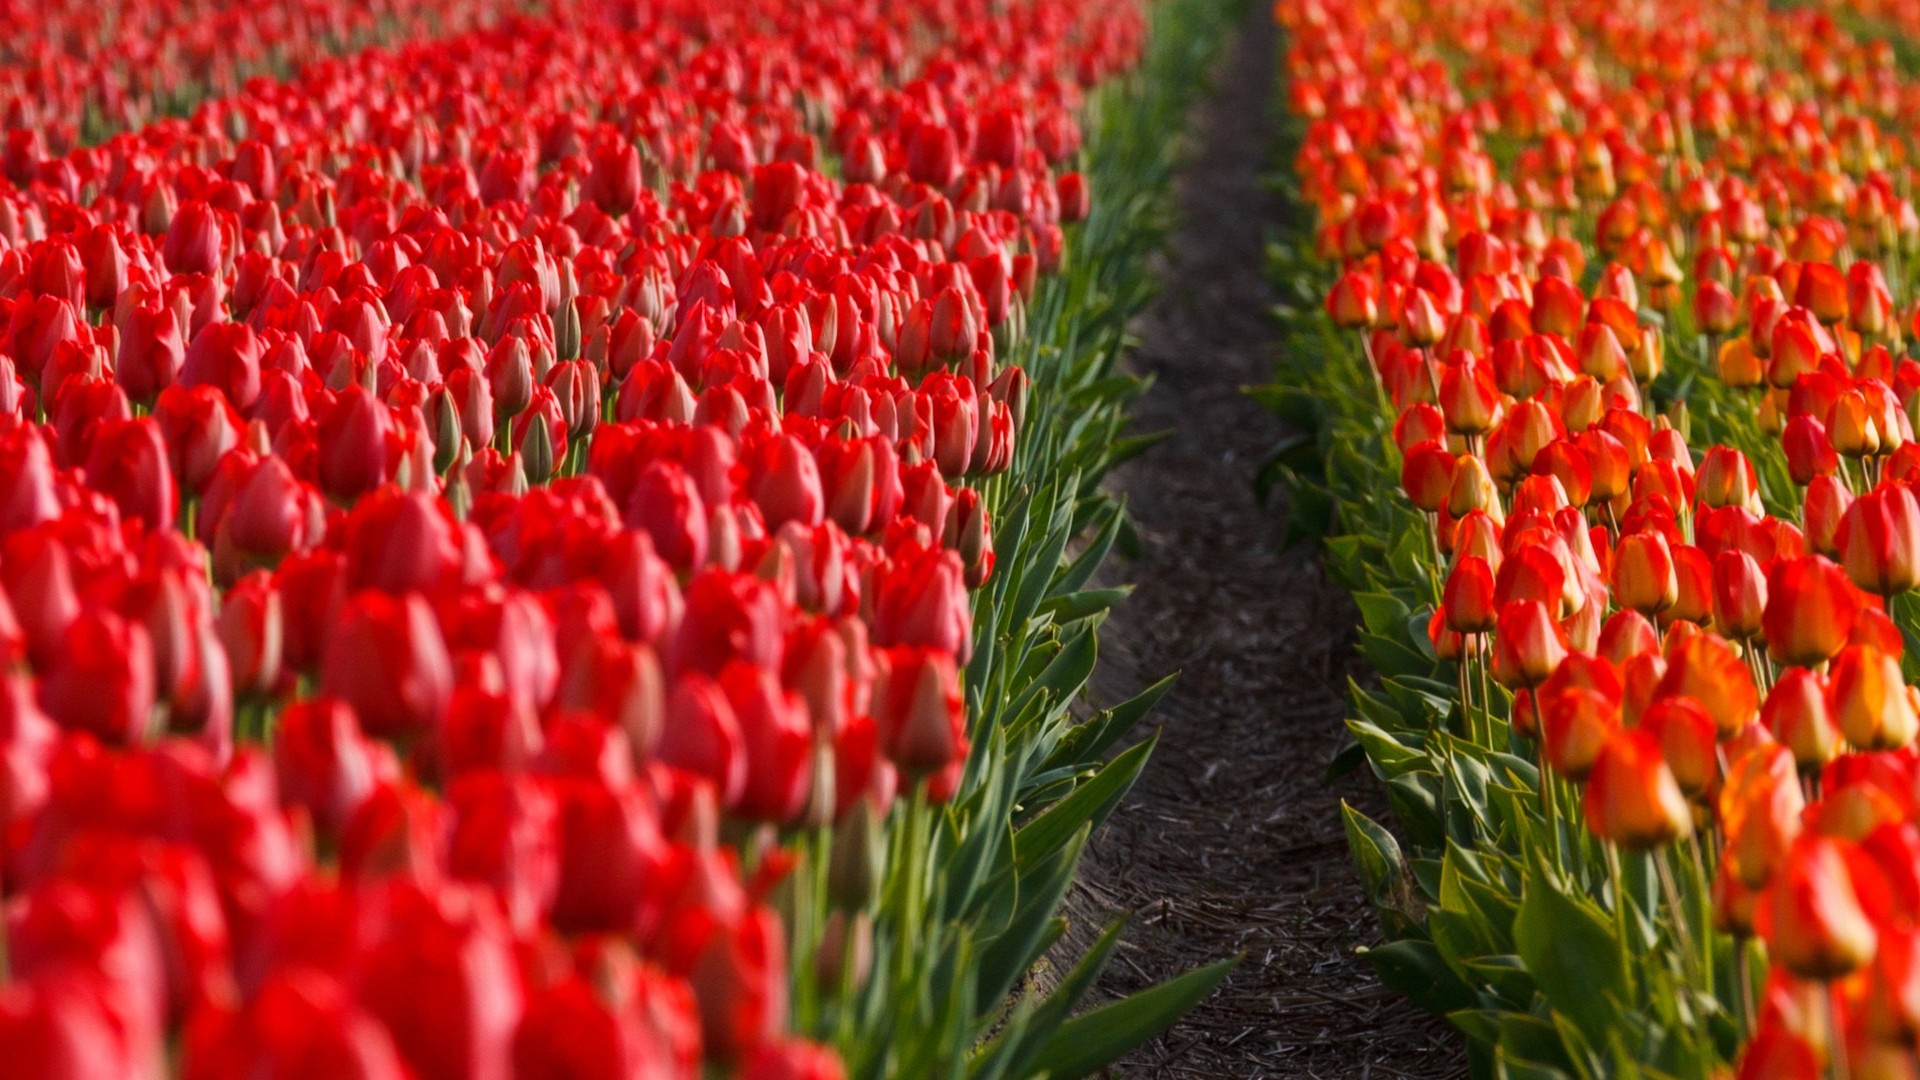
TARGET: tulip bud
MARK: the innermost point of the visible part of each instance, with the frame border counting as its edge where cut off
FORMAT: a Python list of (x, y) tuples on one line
[(858, 859), (1469, 398), (1354, 301), (1472, 489), (1574, 724), (1726, 478), (845, 958), (250, 629), (1808, 450), (102, 681)]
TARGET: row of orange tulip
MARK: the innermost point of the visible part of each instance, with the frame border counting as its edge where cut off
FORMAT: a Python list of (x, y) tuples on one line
[(1633, 284)]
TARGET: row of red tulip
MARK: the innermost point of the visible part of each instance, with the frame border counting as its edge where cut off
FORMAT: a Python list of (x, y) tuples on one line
[(458, 506), (73, 71), (1535, 223)]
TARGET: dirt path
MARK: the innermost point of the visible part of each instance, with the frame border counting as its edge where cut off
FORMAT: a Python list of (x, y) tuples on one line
[(1232, 840)]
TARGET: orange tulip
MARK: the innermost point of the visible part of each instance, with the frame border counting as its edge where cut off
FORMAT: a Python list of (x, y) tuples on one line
[(1354, 301), (1643, 576), (1426, 473), (1707, 669), (1527, 645), (1608, 463), (1632, 798), (1693, 602), (1823, 508), (1811, 917), (1739, 366), (1557, 307), (1822, 289), (1468, 396), (1687, 738), (1870, 701), (1811, 608), (1796, 713), (1726, 478), (1715, 311), (1893, 988), (1627, 634), (1760, 811), (1878, 540), (1472, 489)]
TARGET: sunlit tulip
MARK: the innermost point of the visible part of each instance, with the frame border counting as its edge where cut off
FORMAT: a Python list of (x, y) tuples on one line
[(1632, 798)]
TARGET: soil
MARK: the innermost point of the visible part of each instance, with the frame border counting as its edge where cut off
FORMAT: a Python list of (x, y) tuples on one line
[(1232, 840)]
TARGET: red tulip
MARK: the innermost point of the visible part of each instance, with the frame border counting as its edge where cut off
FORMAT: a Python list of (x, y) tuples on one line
[(444, 984), (741, 981), (128, 461), (386, 658), (102, 680), (300, 1024), (777, 741), (324, 763), (225, 356)]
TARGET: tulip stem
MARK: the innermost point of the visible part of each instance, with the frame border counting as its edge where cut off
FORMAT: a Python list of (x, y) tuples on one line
[(1620, 912), (1486, 690), (912, 883), (1547, 784), (1836, 1035), (1379, 384), (1466, 699), (1439, 562), (1682, 930), (1742, 971)]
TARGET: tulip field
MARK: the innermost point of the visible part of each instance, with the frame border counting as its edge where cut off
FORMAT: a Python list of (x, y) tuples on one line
[(558, 540), (1599, 323), (572, 539)]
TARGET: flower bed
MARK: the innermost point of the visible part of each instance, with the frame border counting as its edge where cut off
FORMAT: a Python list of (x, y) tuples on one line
[(1602, 330), (564, 551)]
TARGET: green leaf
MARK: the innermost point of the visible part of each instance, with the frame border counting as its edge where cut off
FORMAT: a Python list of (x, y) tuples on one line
[(1073, 607), (1041, 889), (1101, 1036), (1091, 739), (1570, 948), (1415, 970), (1088, 806), (1376, 855)]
